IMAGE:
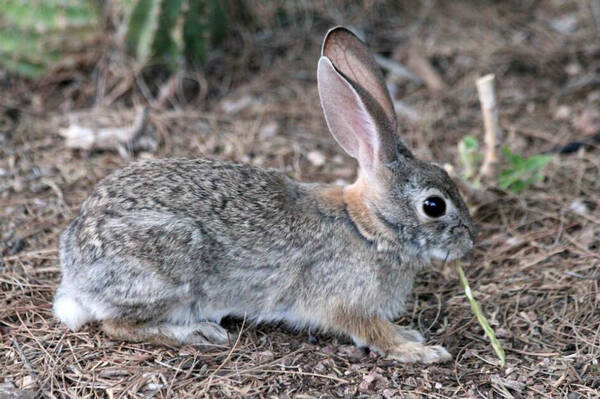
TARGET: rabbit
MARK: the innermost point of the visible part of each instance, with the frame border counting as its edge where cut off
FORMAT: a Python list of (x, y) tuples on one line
[(162, 250)]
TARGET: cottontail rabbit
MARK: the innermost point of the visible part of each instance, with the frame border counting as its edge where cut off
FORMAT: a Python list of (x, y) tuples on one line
[(162, 250)]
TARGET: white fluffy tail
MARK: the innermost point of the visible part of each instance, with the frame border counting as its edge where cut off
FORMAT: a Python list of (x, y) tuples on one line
[(70, 312)]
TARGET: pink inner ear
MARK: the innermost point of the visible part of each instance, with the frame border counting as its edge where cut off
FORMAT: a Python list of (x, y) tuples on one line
[(353, 59), (351, 124)]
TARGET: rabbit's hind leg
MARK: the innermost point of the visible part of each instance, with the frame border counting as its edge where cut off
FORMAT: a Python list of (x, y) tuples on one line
[(201, 333)]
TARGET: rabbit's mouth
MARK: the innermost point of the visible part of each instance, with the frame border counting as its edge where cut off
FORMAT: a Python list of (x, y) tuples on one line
[(443, 254), (459, 250)]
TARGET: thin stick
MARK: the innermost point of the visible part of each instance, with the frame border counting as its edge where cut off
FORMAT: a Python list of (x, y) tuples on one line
[(397, 69), (233, 348), (423, 68), (24, 358), (493, 134)]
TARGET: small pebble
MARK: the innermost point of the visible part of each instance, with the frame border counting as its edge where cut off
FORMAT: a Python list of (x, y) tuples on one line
[(269, 130), (573, 68), (565, 24), (563, 112), (578, 207)]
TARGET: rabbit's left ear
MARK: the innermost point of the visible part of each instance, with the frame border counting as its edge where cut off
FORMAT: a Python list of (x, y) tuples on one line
[(356, 102), (351, 57)]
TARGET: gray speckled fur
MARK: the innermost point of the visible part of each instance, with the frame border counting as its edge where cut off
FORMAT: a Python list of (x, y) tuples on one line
[(220, 235), (228, 238)]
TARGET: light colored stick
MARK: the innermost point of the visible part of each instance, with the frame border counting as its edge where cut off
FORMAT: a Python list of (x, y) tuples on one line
[(397, 69), (493, 134), (105, 138), (423, 68)]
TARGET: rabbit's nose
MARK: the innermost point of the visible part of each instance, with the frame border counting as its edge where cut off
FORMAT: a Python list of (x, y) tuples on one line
[(471, 230), (458, 227)]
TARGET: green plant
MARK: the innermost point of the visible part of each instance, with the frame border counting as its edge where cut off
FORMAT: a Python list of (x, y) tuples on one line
[(522, 172), (483, 322), (170, 32), (469, 156), (39, 36)]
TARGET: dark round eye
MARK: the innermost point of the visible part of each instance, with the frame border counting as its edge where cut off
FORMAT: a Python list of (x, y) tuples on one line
[(434, 206)]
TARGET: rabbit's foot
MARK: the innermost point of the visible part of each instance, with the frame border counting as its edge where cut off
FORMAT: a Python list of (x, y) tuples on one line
[(415, 352), (388, 338), (204, 333)]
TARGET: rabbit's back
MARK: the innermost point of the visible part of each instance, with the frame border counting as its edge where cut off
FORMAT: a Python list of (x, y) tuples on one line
[(184, 216), (192, 212)]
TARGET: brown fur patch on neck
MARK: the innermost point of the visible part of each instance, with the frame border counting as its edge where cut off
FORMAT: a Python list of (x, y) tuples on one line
[(356, 198), (330, 198), (332, 194)]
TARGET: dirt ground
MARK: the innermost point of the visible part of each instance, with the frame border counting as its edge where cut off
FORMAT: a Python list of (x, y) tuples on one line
[(534, 269)]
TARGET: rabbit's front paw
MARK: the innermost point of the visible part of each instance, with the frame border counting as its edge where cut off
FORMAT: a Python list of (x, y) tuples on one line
[(410, 352), (202, 333)]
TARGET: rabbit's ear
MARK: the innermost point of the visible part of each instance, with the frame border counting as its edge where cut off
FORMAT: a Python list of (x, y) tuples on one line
[(351, 57), (347, 116)]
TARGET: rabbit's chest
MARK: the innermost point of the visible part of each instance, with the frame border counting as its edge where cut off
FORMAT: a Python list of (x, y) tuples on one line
[(393, 283)]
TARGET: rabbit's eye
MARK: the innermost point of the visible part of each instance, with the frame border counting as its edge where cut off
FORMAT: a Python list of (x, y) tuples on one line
[(434, 206)]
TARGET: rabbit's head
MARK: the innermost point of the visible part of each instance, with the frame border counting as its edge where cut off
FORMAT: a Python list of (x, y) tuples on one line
[(397, 198)]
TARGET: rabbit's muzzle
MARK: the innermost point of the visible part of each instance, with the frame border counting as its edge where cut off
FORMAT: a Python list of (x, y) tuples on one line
[(461, 240), (454, 243)]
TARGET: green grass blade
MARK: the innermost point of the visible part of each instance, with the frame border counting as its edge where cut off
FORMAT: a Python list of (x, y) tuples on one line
[(489, 331)]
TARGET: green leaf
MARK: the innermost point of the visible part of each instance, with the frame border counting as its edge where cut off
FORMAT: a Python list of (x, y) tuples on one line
[(536, 162), (470, 143), (522, 172), (517, 186), (468, 156), (516, 161), (508, 177), (508, 181)]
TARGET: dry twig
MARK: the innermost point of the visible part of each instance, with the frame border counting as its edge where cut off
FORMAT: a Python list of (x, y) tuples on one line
[(493, 134), (421, 65), (397, 69)]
